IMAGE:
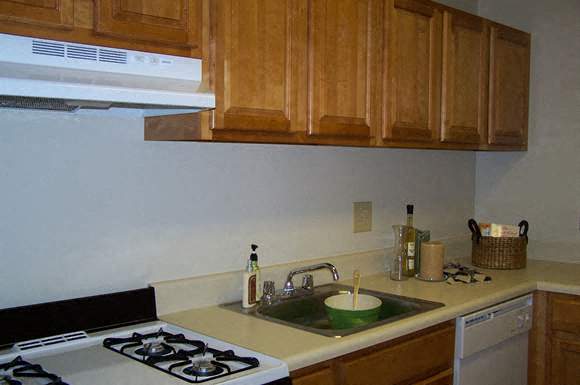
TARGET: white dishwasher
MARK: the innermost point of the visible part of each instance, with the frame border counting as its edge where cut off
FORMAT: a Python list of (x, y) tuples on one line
[(491, 345)]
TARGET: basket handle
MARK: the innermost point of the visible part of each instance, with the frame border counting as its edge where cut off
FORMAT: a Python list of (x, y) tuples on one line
[(475, 230), (524, 227)]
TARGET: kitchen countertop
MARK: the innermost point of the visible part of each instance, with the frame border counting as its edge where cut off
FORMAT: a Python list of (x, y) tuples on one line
[(300, 349)]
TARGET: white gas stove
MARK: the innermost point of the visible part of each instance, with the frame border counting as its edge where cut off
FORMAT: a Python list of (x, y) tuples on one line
[(154, 353)]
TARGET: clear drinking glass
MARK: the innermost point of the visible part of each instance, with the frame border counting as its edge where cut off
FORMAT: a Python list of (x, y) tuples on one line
[(398, 261)]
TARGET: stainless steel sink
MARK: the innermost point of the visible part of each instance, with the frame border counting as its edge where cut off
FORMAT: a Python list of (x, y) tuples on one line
[(308, 313)]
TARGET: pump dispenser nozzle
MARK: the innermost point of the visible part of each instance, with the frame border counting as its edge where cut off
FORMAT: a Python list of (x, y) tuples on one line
[(254, 256)]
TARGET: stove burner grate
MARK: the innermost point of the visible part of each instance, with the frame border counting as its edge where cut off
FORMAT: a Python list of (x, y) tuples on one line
[(6, 380), (198, 369), (24, 369)]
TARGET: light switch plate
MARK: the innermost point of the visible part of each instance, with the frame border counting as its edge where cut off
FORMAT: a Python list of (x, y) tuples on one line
[(362, 217)]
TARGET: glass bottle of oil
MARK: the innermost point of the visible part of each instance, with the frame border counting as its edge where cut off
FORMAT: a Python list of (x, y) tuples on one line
[(410, 239)]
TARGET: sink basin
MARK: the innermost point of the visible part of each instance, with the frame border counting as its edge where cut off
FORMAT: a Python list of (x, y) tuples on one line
[(308, 313)]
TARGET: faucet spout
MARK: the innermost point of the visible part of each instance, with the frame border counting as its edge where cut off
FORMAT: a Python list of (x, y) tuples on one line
[(289, 285)]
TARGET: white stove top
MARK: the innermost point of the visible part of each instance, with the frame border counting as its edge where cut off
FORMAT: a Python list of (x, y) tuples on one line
[(87, 362)]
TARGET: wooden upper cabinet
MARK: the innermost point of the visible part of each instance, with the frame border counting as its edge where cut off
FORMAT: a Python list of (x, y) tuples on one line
[(509, 86), (176, 23), (46, 13), (464, 80), (261, 65), (411, 82), (343, 53)]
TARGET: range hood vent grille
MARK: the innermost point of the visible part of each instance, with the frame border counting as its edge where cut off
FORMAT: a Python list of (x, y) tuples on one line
[(23, 102), (112, 56), (79, 52), (48, 48), (86, 53)]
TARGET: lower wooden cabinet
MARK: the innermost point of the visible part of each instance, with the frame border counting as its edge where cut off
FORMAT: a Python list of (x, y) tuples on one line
[(422, 358), (565, 359), (443, 378), (320, 376), (555, 340)]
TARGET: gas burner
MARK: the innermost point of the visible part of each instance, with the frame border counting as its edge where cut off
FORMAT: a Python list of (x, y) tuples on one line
[(154, 349), (189, 359), (203, 368)]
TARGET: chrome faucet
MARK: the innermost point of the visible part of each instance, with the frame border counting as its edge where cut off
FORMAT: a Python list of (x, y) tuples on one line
[(307, 283)]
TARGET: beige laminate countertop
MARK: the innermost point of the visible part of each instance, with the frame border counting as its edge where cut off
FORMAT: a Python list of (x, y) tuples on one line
[(299, 348)]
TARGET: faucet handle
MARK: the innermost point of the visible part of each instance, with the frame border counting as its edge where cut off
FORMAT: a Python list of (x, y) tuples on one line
[(269, 288), (268, 292), (308, 282)]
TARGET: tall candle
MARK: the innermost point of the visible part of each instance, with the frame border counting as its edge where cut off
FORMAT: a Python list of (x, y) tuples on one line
[(432, 255)]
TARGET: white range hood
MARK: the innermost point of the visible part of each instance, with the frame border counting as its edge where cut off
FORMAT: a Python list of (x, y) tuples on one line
[(53, 75)]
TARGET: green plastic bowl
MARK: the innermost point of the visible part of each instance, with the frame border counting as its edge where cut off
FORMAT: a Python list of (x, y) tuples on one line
[(343, 316)]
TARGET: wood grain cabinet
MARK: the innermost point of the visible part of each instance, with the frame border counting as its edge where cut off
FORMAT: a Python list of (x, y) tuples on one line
[(302, 70), (422, 358), (317, 375), (564, 326), (411, 76), (508, 86), (173, 23), (565, 358), (44, 13), (260, 79), (555, 340), (343, 65), (464, 78), (168, 27), (443, 378)]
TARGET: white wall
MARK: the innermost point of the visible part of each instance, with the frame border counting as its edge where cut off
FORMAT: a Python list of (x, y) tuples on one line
[(470, 6), (543, 184), (87, 206)]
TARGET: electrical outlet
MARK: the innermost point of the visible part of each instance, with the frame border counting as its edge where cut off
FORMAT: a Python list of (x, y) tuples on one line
[(362, 217)]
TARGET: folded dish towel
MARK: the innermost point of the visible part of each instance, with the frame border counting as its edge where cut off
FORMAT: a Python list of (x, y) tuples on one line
[(457, 273)]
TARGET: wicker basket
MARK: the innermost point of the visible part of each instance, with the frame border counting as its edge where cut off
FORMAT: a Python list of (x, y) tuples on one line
[(499, 253)]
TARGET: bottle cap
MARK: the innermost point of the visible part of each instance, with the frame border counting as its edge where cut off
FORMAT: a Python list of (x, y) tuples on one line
[(409, 209), (254, 256)]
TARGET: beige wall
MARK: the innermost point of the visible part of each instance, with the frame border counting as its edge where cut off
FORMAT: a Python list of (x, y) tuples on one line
[(543, 184), (87, 206)]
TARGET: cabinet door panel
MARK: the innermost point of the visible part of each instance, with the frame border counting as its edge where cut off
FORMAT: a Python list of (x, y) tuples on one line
[(443, 378), (261, 65), (509, 86), (49, 13), (342, 67), (320, 377), (565, 362), (565, 313), (465, 77), (174, 23), (402, 363), (411, 84)]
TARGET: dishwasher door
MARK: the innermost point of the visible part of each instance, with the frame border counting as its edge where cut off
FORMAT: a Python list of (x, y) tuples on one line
[(491, 345)]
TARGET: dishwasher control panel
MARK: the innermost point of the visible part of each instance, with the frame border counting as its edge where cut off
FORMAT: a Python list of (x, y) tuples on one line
[(489, 327)]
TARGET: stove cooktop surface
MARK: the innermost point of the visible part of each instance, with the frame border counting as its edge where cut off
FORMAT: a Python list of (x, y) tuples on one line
[(151, 354), (192, 360)]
